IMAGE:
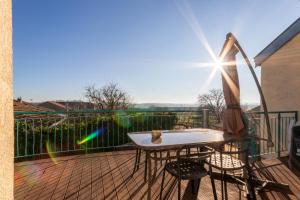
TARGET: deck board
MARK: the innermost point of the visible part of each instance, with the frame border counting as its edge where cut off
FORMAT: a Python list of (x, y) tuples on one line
[(108, 176)]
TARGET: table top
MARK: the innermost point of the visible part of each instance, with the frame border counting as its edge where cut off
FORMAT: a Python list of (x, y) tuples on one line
[(178, 138)]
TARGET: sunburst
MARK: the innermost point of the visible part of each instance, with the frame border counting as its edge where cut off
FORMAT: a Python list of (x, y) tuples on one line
[(217, 63)]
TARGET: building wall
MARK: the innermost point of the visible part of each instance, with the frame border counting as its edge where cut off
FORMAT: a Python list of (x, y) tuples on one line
[(6, 102), (280, 77)]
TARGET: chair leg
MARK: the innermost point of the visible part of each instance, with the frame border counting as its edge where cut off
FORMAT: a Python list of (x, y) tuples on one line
[(222, 184), (179, 188), (160, 156), (225, 186), (193, 187), (213, 183), (162, 184)]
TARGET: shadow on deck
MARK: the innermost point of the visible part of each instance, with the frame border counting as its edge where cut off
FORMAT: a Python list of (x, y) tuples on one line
[(108, 176)]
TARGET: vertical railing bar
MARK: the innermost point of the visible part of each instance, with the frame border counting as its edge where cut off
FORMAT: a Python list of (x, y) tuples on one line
[(86, 130), (92, 129), (80, 137), (147, 122), (142, 122), (279, 132), (17, 122), (48, 131), (133, 122), (127, 127), (118, 124), (108, 130), (274, 134), (102, 135), (41, 136), (289, 121), (100, 131), (169, 126), (33, 137), (266, 149), (68, 136), (161, 121), (54, 145), (25, 121), (113, 129), (61, 136), (74, 124), (125, 124), (284, 128)]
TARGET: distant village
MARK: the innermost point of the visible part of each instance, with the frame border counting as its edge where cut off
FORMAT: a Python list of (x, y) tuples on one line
[(51, 106)]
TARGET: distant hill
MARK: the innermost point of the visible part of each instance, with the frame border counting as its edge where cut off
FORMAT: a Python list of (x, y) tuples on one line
[(157, 105)]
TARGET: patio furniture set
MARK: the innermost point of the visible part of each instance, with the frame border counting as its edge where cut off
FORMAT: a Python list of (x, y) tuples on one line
[(185, 154)]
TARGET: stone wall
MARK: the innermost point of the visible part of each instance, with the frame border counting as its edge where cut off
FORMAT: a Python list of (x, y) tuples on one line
[(6, 102)]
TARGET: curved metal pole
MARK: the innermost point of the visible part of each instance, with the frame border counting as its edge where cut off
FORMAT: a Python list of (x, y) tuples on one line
[(263, 101)]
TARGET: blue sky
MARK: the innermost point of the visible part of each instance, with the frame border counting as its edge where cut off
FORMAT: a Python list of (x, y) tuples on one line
[(149, 47)]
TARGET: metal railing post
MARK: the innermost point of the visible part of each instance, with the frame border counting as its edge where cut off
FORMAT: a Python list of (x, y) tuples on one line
[(205, 118), (279, 135)]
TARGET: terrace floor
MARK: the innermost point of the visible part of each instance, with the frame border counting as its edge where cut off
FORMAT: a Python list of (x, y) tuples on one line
[(107, 175)]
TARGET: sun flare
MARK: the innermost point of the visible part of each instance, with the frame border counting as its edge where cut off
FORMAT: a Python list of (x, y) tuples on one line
[(218, 64)]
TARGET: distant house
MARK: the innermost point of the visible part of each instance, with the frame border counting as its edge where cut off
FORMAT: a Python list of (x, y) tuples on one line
[(24, 109), (77, 105), (67, 105), (255, 109), (280, 70), (52, 105), (22, 106)]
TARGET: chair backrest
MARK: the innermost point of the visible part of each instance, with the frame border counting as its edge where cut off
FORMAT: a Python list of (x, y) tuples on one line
[(236, 148), (199, 153)]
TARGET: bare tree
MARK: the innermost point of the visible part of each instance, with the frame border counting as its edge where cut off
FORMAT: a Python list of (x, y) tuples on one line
[(110, 96), (214, 101)]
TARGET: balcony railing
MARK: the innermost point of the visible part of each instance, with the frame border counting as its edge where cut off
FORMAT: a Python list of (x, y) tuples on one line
[(279, 123), (41, 133), (49, 133)]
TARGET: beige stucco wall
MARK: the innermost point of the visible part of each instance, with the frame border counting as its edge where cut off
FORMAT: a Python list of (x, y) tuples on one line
[(6, 102), (280, 77)]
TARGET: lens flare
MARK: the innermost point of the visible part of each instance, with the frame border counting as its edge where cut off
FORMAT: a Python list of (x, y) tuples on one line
[(50, 151), (123, 119), (89, 137), (31, 174)]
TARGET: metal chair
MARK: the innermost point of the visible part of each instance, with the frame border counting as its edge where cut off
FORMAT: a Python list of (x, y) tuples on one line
[(229, 159), (188, 166), (154, 155)]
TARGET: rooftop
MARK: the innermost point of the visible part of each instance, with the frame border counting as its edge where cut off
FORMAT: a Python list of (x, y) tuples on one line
[(278, 42)]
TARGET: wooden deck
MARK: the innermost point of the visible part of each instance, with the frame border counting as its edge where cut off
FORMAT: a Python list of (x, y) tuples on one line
[(108, 176)]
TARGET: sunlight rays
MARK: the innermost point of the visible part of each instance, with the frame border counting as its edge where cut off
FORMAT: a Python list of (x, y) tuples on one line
[(218, 63), (187, 12)]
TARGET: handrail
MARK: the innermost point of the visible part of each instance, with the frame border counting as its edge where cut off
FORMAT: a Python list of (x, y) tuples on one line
[(162, 109), (273, 112)]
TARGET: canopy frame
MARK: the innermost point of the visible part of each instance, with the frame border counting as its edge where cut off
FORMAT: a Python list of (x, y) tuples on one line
[(231, 40)]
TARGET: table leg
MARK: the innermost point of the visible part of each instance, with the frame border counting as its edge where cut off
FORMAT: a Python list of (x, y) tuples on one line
[(149, 175), (249, 180), (145, 169)]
